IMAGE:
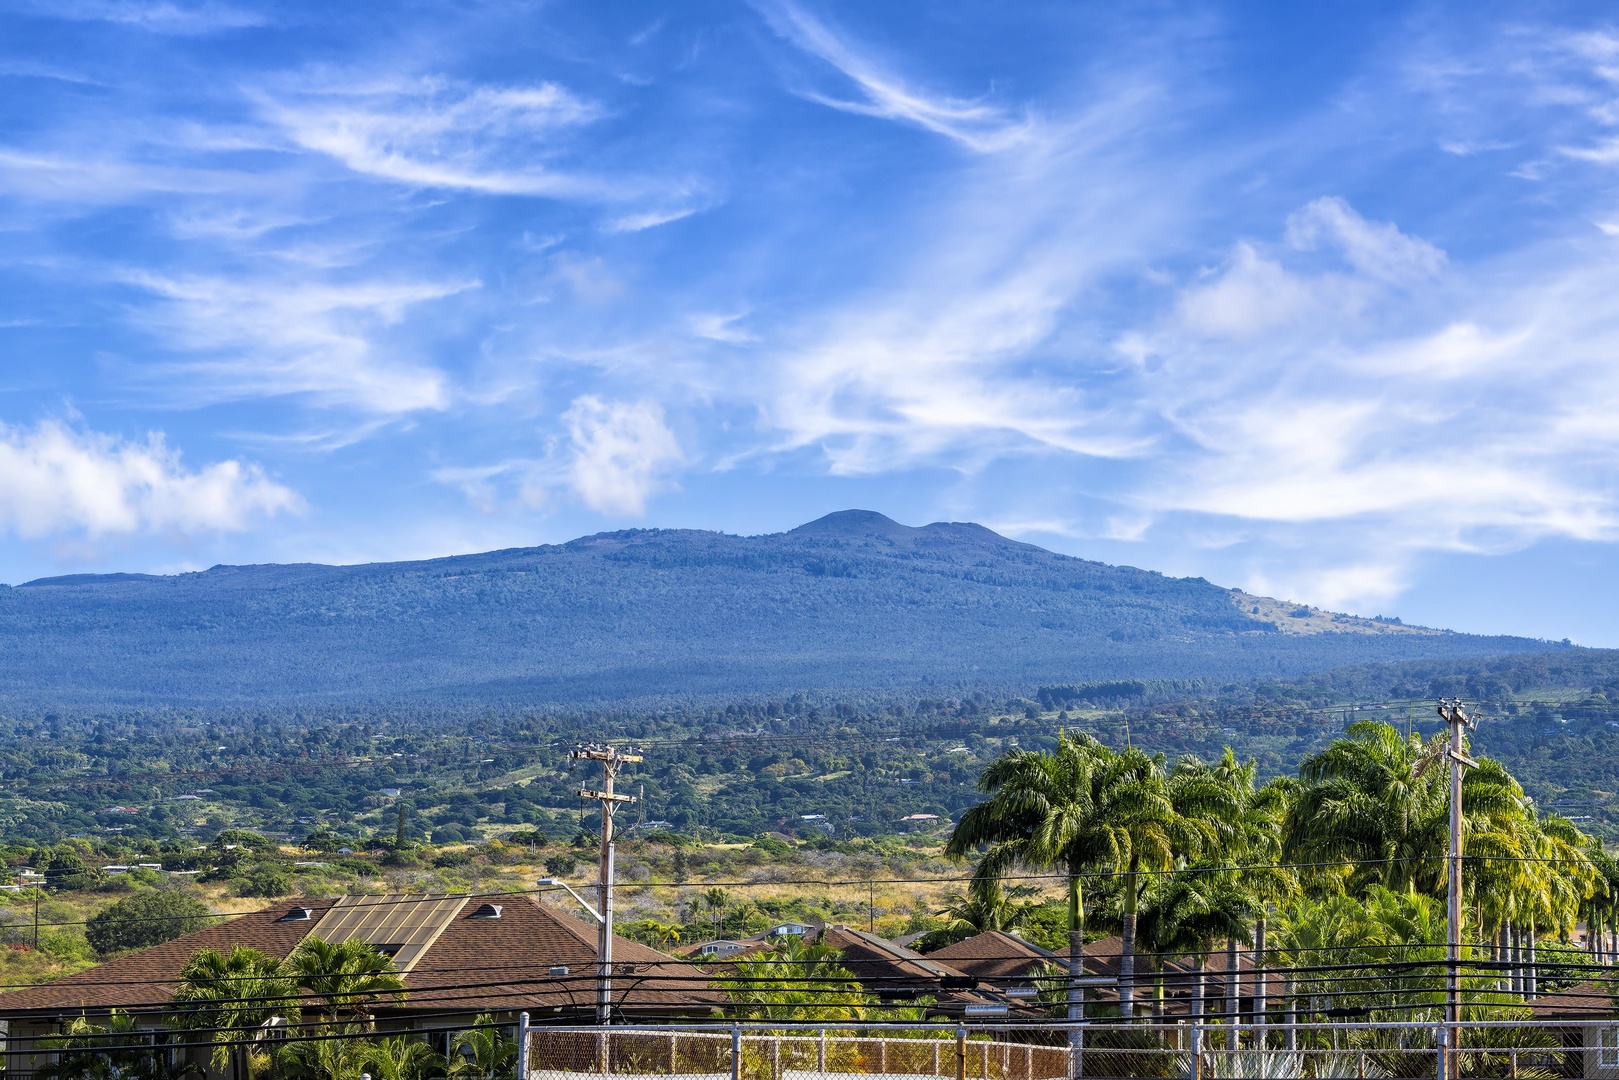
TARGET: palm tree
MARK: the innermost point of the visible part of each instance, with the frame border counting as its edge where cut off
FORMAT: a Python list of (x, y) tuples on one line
[(349, 977), (1372, 800), (232, 995), (1079, 807), (796, 980), (482, 1052), (716, 899), (333, 1054), (1250, 838), (402, 1058), (89, 1051), (987, 906), (1188, 914)]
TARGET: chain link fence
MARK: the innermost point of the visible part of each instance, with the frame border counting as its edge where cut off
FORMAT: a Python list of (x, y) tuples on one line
[(1055, 1051)]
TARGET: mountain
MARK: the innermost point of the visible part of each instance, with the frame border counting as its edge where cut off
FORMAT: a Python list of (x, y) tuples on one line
[(853, 601)]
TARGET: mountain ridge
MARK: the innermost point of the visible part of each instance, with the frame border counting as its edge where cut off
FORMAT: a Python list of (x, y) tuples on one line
[(852, 600)]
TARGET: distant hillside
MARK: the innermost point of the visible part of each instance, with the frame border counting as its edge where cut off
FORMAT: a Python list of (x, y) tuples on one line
[(851, 601)]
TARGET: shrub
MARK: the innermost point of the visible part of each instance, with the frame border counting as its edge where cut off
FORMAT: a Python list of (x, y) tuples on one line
[(146, 918), (266, 880)]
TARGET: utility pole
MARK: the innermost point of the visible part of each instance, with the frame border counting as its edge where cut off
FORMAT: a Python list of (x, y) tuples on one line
[(1452, 713), (612, 760)]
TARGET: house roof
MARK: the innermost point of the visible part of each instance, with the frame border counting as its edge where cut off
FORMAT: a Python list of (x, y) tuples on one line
[(995, 956), (499, 964), (1587, 1001), (880, 964)]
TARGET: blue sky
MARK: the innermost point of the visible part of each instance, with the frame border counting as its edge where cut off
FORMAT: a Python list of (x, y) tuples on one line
[(1314, 299)]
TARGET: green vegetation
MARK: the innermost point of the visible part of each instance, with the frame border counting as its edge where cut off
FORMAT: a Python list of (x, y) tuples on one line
[(1350, 858), (145, 918), (657, 618)]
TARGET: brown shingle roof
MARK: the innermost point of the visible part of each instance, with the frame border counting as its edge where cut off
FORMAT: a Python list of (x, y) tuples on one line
[(995, 956), (1583, 1002), (476, 964), (148, 977)]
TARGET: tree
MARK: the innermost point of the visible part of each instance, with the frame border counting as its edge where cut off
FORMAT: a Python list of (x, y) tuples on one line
[(230, 996), (1250, 819), (988, 905), (66, 870), (89, 1051), (1083, 806), (1188, 913), (337, 1054), (349, 978), (144, 919), (715, 900), (402, 1058), (482, 1052), (795, 980), (1380, 803), (267, 880)]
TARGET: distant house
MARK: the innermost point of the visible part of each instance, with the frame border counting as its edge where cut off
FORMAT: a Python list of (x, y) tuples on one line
[(527, 957), (1585, 1018), (389, 792), (719, 950), (920, 817), (789, 929)]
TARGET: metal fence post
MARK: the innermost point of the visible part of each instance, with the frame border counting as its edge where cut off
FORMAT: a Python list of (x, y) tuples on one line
[(1197, 1052), (522, 1046), (820, 1053), (1442, 1041), (736, 1053)]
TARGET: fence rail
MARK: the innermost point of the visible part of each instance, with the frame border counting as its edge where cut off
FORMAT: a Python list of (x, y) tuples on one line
[(1059, 1051)]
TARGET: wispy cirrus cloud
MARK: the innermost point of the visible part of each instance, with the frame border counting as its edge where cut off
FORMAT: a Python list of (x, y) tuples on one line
[(974, 124), (440, 133), (266, 337), (156, 16)]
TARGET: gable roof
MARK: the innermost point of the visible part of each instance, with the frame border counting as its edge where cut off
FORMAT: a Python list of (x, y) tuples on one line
[(499, 964), (995, 956)]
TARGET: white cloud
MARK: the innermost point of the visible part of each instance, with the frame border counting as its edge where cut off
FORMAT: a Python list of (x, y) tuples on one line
[(972, 124), (1377, 249), (436, 133), (56, 479), (953, 358), (714, 326), (157, 16), (271, 337), (1254, 294), (622, 453)]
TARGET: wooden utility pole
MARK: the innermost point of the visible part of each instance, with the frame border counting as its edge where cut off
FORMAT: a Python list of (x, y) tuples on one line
[(612, 759), (1454, 715)]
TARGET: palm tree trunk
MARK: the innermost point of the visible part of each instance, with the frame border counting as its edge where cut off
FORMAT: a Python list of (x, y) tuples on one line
[(1259, 980), (1232, 980), (1196, 1009), (1292, 1016), (1127, 947), (1076, 969), (1516, 959), (1531, 974)]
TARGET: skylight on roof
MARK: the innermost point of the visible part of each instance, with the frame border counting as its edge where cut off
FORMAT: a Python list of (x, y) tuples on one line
[(488, 911)]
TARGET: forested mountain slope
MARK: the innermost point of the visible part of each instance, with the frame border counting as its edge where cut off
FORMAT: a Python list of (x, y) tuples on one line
[(851, 601)]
